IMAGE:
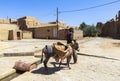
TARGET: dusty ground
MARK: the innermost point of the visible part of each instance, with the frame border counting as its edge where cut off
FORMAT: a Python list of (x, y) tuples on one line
[(102, 47), (87, 69), (98, 60)]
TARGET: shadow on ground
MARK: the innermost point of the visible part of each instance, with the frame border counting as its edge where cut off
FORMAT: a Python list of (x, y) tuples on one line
[(51, 70)]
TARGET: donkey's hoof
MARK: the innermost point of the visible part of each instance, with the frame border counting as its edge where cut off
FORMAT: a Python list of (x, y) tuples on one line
[(59, 68), (69, 67)]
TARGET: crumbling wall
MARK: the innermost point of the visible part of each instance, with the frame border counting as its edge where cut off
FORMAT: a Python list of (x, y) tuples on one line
[(111, 28), (28, 22), (118, 29), (8, 21), (119, 15)]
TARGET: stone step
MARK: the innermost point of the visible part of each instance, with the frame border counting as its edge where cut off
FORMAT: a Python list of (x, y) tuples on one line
[(19, 54), (7, 71)]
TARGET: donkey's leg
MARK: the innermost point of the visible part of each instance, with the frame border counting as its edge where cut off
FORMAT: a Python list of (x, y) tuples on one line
[(74, 56), (60, 63), (45, 63), (68, 61)]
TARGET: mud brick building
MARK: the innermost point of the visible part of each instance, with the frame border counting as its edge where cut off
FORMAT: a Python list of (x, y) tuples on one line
[(9, 31), (52, 30), (38, 29), (29, 27), (111, 28)]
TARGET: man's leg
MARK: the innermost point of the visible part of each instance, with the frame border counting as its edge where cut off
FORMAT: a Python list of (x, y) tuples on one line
[(74, 56)]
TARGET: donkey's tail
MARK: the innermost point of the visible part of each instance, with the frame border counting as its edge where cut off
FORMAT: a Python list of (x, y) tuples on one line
[(41, 61)]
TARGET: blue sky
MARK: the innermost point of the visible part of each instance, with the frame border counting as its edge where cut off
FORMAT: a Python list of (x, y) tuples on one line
[(45, 10)]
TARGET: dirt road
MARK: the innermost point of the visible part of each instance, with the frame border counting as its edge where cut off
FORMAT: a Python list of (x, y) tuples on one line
[(100, 62)]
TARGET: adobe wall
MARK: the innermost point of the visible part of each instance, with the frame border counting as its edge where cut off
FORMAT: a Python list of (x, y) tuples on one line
[(28, 22), (110, 28), (78, 34), (119, 15), (118, 29), (27, 35), (4, 21), (99, 25), (13, 35), (62, 34), (8, 21), (9, 26), (44, 32), (3, 34)]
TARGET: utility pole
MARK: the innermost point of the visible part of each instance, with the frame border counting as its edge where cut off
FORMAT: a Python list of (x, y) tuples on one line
[(57, 15), (57, 22)]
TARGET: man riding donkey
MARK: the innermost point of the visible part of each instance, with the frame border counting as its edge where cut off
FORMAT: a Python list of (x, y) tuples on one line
[(60, 51), (73, 43)]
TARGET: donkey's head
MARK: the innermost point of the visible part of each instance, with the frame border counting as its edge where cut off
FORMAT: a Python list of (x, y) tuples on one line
[(75, 45)]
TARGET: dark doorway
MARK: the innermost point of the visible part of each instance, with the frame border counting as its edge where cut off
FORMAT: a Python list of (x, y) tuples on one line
[(18, 35)]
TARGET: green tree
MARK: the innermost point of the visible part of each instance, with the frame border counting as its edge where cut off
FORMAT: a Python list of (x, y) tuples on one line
[(83, 25), (89, 30)]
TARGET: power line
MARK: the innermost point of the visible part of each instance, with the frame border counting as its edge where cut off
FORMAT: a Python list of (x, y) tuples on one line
[(83, 9)]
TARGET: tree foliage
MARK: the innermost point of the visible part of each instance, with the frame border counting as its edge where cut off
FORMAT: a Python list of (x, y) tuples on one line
[(89, 30), (83, 25)]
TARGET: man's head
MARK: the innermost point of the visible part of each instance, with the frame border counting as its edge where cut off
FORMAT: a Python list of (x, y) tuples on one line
[(70, 29)]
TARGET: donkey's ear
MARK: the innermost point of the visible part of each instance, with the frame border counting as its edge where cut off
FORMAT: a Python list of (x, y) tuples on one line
[(45, 46)]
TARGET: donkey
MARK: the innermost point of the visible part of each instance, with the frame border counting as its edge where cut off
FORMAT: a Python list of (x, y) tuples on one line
[(49, 51)]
